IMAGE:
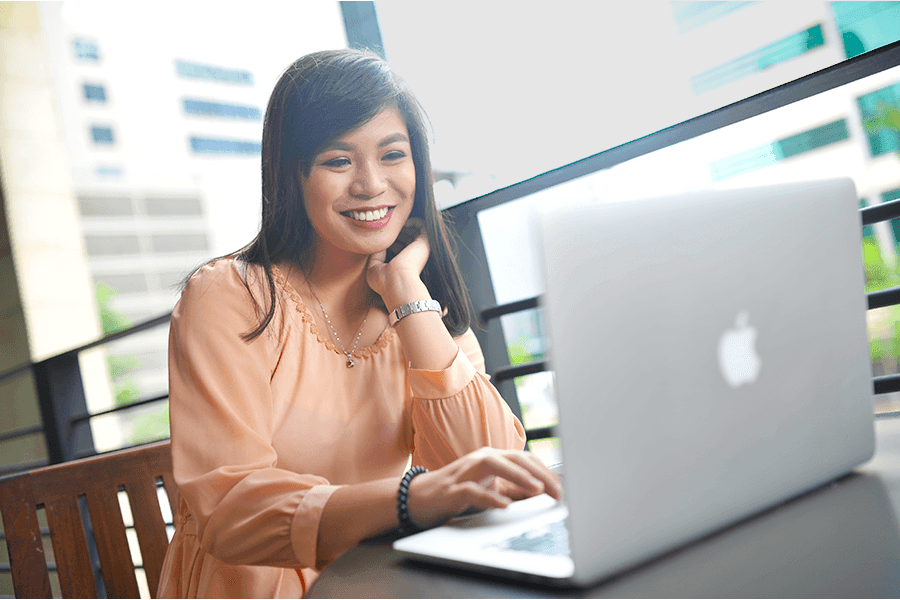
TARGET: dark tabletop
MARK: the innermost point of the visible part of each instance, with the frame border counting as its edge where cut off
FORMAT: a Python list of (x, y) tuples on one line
[(841, 540)]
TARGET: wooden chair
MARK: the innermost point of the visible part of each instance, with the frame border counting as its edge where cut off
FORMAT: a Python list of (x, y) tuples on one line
[(98, 479)]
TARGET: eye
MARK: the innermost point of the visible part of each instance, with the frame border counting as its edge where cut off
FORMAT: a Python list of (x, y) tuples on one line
[(394, 155), (341, 161)]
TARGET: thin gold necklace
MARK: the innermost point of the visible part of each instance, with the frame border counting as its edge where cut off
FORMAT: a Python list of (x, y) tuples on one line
[(350, 362)]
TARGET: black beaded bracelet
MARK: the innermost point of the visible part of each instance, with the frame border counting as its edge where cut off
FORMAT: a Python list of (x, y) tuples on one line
[(406, 524)]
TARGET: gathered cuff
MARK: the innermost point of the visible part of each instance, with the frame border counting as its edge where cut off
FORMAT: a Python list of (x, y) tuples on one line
[(434, 385), (305, 524)]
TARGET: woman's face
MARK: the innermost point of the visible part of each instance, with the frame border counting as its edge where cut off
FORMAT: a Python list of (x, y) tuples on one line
[(361, 187)]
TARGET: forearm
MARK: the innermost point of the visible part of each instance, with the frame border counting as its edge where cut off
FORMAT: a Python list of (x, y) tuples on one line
[(354, 513), (426, 342)]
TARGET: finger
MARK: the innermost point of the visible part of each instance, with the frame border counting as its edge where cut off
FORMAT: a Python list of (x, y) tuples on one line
[(500, 465), (536, 468), (413, 228), (377, 259), (414, 255), (551, 480), (511, 490), (471, 495)]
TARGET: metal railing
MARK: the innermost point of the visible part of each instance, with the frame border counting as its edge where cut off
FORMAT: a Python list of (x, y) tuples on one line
[(65, 418), (474, 263)]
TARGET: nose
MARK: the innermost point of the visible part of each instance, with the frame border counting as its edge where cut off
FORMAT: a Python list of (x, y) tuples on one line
[(368, 181)]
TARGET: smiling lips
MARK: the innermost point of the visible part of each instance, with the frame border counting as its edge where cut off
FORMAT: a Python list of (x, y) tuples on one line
[(370, 219)]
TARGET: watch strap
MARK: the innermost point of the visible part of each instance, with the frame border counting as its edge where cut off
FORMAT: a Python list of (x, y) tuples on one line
[(412, 308)]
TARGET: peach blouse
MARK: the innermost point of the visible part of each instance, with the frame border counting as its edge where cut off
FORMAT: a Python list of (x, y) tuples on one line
[(264, 432)]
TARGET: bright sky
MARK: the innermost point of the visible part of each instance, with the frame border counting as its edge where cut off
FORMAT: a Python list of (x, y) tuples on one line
[(516, 89), (521, 85)]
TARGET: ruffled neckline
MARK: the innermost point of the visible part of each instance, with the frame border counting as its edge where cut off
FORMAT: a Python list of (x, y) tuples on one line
[(307, 317)]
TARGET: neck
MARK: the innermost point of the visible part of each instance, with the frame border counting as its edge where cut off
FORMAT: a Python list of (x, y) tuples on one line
[(340, 282)]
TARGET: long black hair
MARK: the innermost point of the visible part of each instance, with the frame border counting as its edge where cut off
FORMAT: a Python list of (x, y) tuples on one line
[(319, 98)]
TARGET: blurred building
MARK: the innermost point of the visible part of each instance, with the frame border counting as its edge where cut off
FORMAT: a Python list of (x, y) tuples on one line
[(729, 51), (157, 117)]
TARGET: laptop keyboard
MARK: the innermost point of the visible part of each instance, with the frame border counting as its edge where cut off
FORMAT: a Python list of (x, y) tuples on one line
[(550, 540)]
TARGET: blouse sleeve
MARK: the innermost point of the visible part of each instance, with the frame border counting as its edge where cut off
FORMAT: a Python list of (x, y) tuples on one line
[(247, 510), (458, 410)]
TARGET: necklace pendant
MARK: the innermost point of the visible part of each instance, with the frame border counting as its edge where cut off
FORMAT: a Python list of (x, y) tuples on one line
[(350, 362)]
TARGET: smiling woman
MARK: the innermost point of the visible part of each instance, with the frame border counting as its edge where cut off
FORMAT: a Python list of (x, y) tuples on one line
[(306, 368)]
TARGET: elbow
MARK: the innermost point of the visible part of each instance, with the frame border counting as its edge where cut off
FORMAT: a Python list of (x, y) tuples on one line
[(218, 544)]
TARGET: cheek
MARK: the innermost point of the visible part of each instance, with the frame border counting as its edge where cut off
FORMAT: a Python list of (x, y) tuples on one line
[(409, 186), (316, 197)]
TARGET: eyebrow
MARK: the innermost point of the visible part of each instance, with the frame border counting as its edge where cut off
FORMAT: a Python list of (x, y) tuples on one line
[(394, 137)]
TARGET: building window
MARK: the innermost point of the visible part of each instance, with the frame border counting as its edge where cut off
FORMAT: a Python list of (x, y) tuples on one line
[(213, 146), (102, 135), (890, 196), (880, 112), (195, 71), (112, 245), (866, 26), (94, 93), (690, 15), (106, 171), (768, 56), (86, 50), (179, 242), (784, 148), (217, 109), (174, 207), (128, 283), (105, 207)]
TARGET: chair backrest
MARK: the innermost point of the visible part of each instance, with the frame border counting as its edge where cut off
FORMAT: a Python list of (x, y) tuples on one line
[(98, 480)]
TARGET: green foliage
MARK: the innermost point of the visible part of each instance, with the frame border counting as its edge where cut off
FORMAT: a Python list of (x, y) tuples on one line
[(144, 428), (886, 118), (518, 353), (150, 427), (111, 320), (880, 276), (124, 388), (121, 365)]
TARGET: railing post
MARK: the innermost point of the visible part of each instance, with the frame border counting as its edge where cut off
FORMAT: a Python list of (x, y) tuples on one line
[(477, 277), (61, 397)]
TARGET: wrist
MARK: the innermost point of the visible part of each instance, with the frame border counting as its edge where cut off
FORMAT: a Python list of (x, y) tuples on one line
[(403, 292), (407, 523)]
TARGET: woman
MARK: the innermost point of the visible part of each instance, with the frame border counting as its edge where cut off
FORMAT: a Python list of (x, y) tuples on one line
[(295, 401)]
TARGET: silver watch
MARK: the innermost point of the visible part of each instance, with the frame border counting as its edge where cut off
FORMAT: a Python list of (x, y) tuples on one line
[(412, 308)]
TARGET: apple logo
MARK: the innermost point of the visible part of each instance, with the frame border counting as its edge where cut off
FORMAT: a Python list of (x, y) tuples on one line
[(738, 360)]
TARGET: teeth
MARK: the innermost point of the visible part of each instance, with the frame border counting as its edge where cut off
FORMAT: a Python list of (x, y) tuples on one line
[(368, 215)]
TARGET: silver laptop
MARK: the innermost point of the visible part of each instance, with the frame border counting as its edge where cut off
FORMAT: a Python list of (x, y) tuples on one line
[(711, 360)]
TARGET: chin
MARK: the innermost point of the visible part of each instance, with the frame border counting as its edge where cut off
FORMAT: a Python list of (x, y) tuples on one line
[(371, 246)]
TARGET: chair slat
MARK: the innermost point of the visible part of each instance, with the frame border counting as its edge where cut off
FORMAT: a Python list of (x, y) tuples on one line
[(70, 549), (98, 479), (112, 543), (149, 526), (27, 560), (171, 492)]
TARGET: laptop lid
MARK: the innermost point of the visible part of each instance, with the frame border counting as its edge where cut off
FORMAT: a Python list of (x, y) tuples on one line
[(711, 360)]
